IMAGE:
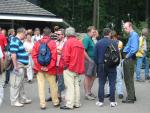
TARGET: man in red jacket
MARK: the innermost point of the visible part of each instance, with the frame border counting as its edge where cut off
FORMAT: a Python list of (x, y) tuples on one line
[(73, 56), (48, 72), (3, 42)]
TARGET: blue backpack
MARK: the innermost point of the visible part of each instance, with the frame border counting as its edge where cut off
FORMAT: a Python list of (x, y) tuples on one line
[(44, 54)]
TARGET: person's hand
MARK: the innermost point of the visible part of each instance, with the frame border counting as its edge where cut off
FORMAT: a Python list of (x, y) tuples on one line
[(16, 70), (91, 61), (58, 51), (44, 68)]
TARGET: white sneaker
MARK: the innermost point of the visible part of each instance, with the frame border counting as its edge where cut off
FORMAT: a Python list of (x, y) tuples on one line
[(100, 104), (17, 104), (113, 104), (26, 101)]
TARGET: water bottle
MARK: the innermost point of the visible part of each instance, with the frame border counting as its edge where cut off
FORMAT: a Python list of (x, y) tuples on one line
[(15, 71)]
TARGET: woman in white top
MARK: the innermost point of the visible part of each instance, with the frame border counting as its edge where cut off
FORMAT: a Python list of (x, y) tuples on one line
[(28, 44), (36, 35)]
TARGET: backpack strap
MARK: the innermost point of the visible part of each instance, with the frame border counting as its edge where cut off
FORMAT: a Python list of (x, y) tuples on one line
[(48, 41)]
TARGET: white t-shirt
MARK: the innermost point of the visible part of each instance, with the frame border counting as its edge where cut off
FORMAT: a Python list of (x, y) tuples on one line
[(36, 38), (28, 46)]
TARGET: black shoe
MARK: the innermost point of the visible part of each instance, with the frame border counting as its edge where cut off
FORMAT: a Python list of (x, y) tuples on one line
[(128, 101), (140, 80), (120, 96), (6, 82), (76, 106), (135, 98), (48, 99), (106, 95), (59, 99), (30, 81), (57, 105), (5, 85), (147, 78), (132, 99), (65, 107)]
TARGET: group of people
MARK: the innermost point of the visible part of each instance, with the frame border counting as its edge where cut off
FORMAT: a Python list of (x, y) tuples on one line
[(62, 60)]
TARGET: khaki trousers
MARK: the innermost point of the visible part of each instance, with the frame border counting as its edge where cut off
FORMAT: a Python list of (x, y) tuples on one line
[(17, 92), (41, 88), (72, 94)]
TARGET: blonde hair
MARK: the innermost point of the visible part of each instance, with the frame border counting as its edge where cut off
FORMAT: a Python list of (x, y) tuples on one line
[(144, 31), (10, 31)]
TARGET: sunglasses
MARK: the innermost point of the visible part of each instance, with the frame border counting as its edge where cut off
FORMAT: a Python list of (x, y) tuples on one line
[(59, 34)]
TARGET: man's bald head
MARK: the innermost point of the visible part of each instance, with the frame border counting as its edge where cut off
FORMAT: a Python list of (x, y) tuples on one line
[(128, 27)]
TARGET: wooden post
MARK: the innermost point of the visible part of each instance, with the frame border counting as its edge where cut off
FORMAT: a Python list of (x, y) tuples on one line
[(12, 24)]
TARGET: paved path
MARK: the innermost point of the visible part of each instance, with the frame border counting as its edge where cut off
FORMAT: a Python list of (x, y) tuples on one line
[(141, 106)]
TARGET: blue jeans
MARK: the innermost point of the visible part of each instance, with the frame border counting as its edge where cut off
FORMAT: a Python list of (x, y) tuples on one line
[(120, 74), (111, 75), (139, 63), (7, 76), (61, 85)]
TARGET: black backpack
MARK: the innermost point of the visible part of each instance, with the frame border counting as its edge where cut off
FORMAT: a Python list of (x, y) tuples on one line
[(111, 56), (44, 54)]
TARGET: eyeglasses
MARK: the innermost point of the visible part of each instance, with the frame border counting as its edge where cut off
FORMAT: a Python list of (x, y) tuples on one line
[(59, 34)]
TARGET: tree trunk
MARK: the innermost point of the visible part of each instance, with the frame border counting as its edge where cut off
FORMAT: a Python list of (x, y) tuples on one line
[(98, 14), (147, 14), (94, 12)]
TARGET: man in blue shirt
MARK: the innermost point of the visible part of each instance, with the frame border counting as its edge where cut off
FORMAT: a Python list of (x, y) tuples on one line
[(20, 61), (130, 50)]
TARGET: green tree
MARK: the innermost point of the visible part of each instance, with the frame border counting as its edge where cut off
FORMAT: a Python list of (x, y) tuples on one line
[(79, 13)]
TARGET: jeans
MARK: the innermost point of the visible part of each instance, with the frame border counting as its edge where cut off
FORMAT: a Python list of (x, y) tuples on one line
[(9, 65), (60, 81), (7, 76), (61, 85), (102, 80), (139, 63), (120, 74)]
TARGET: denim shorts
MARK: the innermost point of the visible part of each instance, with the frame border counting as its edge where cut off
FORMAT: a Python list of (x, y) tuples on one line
[(90, 69)]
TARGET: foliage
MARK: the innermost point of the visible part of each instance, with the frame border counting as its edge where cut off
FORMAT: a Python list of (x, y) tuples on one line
[(79, 13)]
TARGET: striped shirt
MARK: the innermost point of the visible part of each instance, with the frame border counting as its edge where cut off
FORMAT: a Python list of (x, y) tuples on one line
[(16, 46)]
